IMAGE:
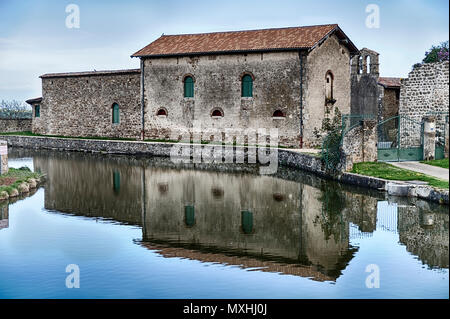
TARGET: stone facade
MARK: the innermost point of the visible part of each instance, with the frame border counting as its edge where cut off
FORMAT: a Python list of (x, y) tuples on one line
[(217, 85), (15, 125), (80, 104), (277, 85), (331, 56)]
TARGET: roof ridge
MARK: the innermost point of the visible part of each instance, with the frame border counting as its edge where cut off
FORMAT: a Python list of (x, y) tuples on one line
[(252, 30)]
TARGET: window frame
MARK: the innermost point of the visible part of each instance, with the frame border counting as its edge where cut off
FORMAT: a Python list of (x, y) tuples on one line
[(37, 110), (115, 117), (247, 85), (188, 86)]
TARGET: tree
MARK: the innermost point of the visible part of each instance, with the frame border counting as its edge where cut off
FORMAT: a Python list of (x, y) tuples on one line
[(14, 109), (437, 53)]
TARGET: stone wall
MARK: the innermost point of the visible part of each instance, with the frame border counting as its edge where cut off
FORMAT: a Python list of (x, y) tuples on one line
[(15, 125), (360, 144), (81, 104), (425, 92)]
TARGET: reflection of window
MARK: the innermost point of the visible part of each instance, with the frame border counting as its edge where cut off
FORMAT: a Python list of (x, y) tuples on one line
[(115, 113), (278, 197), (189, 216), (37, 111), (247, 86), (116, 181), (247, 222), (217, 192), (278, 113), (188, 86)]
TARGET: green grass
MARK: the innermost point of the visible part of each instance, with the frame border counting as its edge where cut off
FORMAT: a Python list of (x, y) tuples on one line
[(390, 172), (19, 175), (439, 163)]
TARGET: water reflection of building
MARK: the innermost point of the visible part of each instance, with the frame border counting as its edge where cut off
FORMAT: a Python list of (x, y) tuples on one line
[(4, 215), (299, 226), (423, 229)]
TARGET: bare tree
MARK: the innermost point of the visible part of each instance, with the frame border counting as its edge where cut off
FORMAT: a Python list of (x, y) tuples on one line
[(14, 109)]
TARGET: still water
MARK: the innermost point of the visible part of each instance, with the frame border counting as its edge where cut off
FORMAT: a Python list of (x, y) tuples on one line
[(143, 228)]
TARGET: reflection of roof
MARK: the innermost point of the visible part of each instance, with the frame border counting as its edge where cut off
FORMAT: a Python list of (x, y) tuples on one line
[(293, 38), (245, 262), (389, 82)]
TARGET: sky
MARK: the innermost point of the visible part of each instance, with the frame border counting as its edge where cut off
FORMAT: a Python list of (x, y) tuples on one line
[(34, 37)]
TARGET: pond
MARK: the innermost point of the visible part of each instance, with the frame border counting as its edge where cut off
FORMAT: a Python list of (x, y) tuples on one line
[(139, 227)]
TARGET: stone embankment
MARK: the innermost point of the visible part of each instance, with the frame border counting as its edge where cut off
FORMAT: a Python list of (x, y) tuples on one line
[(288, 158)]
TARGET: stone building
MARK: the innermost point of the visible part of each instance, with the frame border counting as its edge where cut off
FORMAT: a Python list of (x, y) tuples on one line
[(98, 103), (389, 97), (273, 78), (371, 94)]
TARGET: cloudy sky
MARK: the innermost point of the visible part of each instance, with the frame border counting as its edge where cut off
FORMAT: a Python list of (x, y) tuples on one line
[(34, 38)]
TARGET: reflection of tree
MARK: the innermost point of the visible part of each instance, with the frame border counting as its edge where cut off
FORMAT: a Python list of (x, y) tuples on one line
[(333, 203)]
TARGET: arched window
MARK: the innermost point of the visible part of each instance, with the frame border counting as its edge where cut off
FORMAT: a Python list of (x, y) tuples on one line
[(161, 112), (115, 113), (329, 86), (247, 86), (217, 113), (278, 113), (188, 86)]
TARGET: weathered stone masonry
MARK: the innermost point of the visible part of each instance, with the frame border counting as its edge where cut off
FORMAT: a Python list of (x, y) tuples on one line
[(277, 86), (426, 90), (80, 104), (15, 125)]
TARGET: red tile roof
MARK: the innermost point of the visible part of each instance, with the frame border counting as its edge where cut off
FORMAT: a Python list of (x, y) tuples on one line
[(243, 41), (389, 82)]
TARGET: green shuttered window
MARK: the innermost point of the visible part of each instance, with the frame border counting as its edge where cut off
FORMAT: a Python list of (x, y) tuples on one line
[(37, 111), (115, 113), (189, 216), (116, 181), (247, 222), (247, 86), (188, 86)]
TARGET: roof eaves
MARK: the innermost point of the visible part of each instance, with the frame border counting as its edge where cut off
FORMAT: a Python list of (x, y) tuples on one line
[(352, 48), (218, 52)]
